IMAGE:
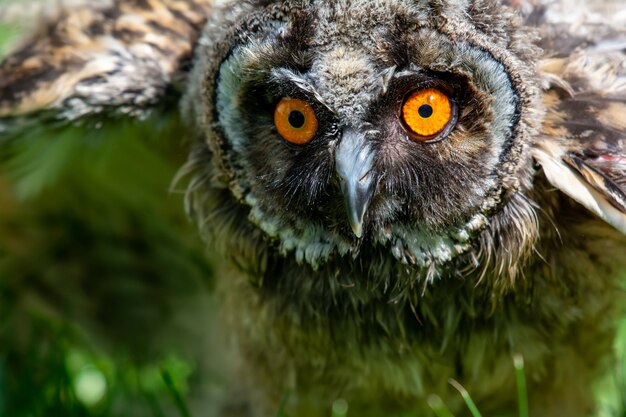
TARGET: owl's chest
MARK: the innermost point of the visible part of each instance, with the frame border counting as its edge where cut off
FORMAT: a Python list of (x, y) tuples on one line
[(373, 331), (370, 338)]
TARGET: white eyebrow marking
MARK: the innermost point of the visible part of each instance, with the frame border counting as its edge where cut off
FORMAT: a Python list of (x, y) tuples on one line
[(284, 74)]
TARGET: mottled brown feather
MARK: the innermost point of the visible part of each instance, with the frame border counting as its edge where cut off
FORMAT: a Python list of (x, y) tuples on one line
[(586, 109), (121, 58), (602, 182)]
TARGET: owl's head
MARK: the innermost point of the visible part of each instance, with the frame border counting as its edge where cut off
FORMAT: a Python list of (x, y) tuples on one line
[(400, 124)]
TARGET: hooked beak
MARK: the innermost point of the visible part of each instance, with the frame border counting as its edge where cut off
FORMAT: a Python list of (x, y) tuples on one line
[(354, 160)]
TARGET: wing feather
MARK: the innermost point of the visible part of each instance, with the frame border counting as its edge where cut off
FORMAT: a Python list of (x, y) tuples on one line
[(551, 157), (601, 182), (582, 148), (123, 58)]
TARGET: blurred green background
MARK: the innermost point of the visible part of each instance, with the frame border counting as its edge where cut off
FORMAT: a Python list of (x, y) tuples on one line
[(104, 283), (105, 287)]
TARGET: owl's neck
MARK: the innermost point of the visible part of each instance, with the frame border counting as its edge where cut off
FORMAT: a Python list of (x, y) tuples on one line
[(375, 297), (374, 276)]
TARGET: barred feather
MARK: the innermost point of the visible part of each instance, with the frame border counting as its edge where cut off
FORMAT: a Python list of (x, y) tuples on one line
[(121, 58)]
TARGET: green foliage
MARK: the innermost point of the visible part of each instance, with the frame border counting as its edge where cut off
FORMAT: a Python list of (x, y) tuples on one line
[(96, 261), (56, 373)]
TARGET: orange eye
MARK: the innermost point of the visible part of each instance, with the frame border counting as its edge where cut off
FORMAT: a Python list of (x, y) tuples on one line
[(295, 121), (426, 113)]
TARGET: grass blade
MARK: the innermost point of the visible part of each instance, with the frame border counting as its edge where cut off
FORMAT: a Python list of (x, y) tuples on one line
[(178, 399), (340, 408), (283, 405), (438, 406), (466, 397), (522, 392)]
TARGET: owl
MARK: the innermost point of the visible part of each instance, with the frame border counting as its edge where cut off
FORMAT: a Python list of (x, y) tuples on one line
[(404, 192)]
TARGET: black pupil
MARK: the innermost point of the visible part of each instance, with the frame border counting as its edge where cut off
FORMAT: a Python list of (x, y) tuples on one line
[(296, 119), (424, 111)]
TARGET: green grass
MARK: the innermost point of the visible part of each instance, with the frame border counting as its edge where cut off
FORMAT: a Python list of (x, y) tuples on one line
[(439, 407), (522, 394), (96, 261)]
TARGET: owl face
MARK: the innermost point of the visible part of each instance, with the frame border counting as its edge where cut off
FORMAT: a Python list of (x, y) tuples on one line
[(397, 124)]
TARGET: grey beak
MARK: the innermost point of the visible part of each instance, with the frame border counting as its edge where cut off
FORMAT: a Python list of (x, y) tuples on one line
[(354, 160)]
